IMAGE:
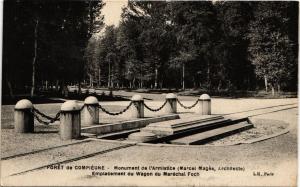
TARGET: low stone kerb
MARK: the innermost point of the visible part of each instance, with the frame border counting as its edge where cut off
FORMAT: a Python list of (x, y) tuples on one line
[(24, 104), (70, 106), (137, 98), (204, 97), (91, 100), (171, 96), (141, 136)]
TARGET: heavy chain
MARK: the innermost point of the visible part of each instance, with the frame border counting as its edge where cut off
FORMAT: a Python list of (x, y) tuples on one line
[(42, 114), (38, 115), (82, 107), (157, 109), (187, 107), (117, 113), (90, 110)]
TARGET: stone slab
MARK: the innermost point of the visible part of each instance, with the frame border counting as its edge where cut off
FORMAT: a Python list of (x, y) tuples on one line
[(175, 126), (161, 131), (186, 121), (141, 136), (126, 125), (116, 135), (212, 134)]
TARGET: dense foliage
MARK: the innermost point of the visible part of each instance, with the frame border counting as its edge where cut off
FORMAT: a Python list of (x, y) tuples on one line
[(157, 44), (222, 45), (44, 42)]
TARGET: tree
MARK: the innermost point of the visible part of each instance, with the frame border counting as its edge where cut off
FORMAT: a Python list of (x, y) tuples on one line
[(231, 48), (195, 26), (47, 41), (270, 44), (108, 55), (210, 45), (91, 54), (152, 36)]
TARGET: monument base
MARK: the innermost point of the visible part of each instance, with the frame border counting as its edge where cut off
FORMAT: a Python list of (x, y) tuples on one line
[(175, 126)]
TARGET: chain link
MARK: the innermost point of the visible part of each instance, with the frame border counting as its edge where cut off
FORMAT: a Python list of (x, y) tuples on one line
[(117, 113), (90, 110), (187, 107), (38, 115), (42, 114), (157, 109), (82, 107)]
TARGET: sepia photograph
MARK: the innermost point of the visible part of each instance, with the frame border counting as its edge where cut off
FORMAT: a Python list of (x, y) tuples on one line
[(149, 93)]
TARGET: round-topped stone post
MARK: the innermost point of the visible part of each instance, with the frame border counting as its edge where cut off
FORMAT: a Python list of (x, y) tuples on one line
[(69, 120), (91, 111), (171, 105), (24, 117), (204, 107), (137, 108)]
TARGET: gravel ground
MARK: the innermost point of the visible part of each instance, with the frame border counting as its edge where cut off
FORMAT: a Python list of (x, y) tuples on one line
[(262, 127), (12, 144), (32, 161)]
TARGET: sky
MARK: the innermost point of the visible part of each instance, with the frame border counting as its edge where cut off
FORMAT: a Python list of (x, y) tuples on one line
[(112, 11)]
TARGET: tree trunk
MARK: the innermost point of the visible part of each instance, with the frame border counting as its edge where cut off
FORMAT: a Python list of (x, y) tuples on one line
[(183, 76), (79, 87), (266, 83), (155, 78), (62, 87), (278, 88), (91, 81), (160, 84), (46, 85), (34, 57), (273, 90), (99, 78), (56, 86), (208, 74), (108, 82), (219, 85), (10, 89)]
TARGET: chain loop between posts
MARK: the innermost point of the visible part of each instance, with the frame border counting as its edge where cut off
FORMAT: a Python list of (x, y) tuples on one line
[(157, 109), (38, 115), (117, 113), (187, 107)]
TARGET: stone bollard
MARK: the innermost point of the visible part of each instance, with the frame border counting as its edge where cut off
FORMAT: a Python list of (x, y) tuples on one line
[(69, 120), (23, 117), (204, 105), (171, 106), (91, 111), (137, 108)]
